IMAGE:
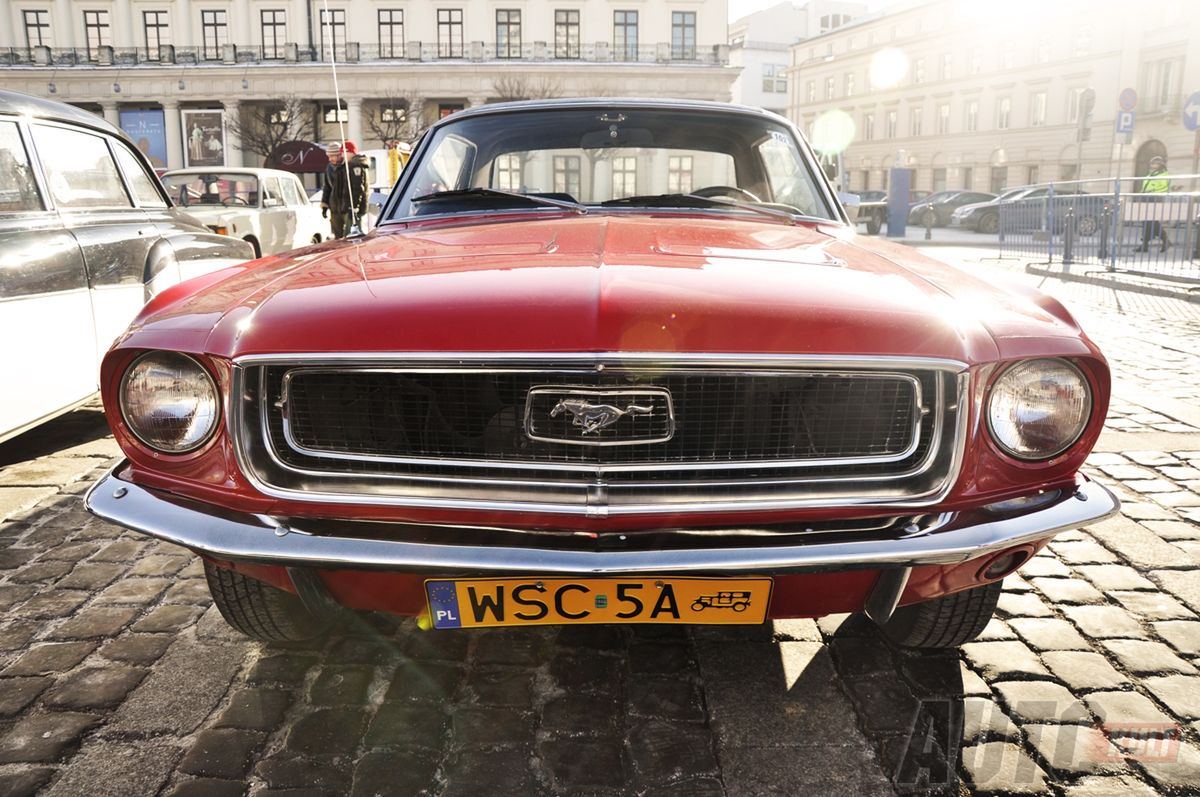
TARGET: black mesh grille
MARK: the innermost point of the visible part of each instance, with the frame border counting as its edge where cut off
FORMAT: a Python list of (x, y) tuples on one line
[(718, 417)]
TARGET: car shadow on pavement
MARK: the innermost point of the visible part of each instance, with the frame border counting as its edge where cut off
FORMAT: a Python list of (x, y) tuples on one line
[(75, 428)]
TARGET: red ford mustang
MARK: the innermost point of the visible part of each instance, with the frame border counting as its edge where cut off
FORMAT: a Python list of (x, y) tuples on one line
[(605, 362)]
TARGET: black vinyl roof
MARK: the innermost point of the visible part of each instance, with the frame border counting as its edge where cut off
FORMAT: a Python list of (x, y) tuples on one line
[(12, 102)]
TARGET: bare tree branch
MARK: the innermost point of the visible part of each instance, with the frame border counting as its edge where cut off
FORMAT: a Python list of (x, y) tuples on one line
[(523, 87), (264, 126), (399, 118)]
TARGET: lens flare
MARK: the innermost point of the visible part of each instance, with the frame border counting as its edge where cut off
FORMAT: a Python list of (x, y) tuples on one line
[(833, 132), (888, 68)]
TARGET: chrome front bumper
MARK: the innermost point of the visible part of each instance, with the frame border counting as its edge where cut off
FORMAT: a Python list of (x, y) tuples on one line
[(211, 530)]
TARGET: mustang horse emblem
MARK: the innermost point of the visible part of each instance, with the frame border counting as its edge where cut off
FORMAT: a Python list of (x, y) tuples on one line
[(594, 417)]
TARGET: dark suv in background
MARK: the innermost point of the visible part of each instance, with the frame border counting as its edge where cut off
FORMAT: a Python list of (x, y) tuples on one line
[(943, 204)]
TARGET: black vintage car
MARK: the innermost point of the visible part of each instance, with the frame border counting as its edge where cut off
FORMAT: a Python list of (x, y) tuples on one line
[(943, 204), (87, 235)]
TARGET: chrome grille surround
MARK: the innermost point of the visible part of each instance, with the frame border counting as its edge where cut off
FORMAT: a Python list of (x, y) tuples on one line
[(921, 477)]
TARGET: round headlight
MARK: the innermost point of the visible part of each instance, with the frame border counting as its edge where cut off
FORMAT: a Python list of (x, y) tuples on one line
[(169, 401), (1039, 408)]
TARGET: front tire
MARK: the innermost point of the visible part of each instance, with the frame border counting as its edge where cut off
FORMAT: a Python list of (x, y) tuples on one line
[(989, 224), (874, 223), (944, 622), (259, 610)]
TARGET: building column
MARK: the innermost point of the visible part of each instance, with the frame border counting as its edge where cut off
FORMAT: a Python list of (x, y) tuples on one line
[(182, 23), (174, 135), (124, 33), (64, 24), (477, 100), (112, 114), (354, 123), (233, 142)]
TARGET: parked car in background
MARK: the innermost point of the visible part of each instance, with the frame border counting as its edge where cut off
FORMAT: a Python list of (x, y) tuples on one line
[(86, 237), (558, 384), (985, 216), (943, 204), (874, 211), (267, 208)]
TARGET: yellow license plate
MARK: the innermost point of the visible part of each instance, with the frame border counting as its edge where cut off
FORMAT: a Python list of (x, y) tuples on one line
[(487, 602)]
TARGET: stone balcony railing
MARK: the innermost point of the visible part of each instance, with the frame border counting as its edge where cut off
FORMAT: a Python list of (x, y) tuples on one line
[(354, 52)]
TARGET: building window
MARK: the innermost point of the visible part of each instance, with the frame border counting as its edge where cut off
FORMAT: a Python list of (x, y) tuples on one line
[(625, 35), (998, 179), (333, 114), (391, 33), (508, 172), (1031, 174), (1161, 82), (773, 79), (868, 126), (96, 32), (624, 177), (1042, 53), (447, 108), (811, 92), (1003, 113), (831, 21), (943, 120), (566, 33), (508, 33), (889, 125), (1068, 171), (919, 70), (273, 23), (971, 116), (37, 28), (679, 174), (939, 179), (848, 85), (450, 32), (866, 179), (1082, 44), (947, 66), (333, 29), (976, 63), (154, 23), (566, 173), (1037, 109), (968, 177), (914, 121), (1073, 98), (683, 35), (214, 31), (829, 87)]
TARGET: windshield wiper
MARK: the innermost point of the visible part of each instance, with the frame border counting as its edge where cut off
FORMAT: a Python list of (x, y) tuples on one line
[(695, 201), (491, 193)]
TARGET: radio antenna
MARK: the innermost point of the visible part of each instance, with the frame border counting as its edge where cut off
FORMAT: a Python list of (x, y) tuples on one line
[(327, 24)]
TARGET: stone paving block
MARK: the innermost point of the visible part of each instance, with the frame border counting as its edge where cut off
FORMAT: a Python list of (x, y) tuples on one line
[(1153, 605), (500, 771), (1074, 749), (1022, 605), (1123, 708), (1178, 499), (494, 686), (1110, 786), (94, 687), (94, 622), (52, 471), (1002, 767), (665, 698), (17, 634), (1000, 660), (829, 771), (885, 704), (208, 787), (282, 668), (178, 695), (142, 649), (24, 782), (53, 603), (1114, 577), (1142, 510), (92, 576), (159, 565), (1104, 622), (41, 571), (53, 657), (1083, 553), (341, 686), (1182, 775), (255, 709), (426, 680), (17, 693), (1180, 693), (797, 630), (660, 659), (1183, 584), (665, 751), (14, 500), (1139, 656), (1136, 544), (1083, 671), (106, 768), (996, 629), (288, 771), (983, 720), (408, 725), (1041, 701), (327, 731), (1045, 565), (221, 753), (577, 765), (500, 725), (513, 647), (393, 772), (1173, 529), (1151, 458), (1067, 590), (164, 618), (193, 591), (1183, 635), (12, 595), (1045, 633), (43, 737), (134, 591)]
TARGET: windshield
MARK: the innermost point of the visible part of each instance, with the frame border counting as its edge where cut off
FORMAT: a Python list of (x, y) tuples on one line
[(621, 158), (215, 188)]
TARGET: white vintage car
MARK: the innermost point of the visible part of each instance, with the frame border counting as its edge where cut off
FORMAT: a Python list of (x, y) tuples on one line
[(268, 208)]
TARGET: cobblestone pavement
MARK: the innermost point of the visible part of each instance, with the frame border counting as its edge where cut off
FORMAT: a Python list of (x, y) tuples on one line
[(118, 677)]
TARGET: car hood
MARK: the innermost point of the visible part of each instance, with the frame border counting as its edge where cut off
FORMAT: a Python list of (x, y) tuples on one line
[(605, 283), (213, 213), (965, 209)]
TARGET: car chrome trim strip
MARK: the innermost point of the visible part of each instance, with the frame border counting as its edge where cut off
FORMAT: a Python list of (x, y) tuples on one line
[(261, 538)]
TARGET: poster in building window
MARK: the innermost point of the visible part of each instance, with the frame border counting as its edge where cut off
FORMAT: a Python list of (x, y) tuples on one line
[(148, 131), (203, 137)]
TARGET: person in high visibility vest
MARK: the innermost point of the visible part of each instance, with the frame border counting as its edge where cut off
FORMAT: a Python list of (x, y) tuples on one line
[(1156, 182)]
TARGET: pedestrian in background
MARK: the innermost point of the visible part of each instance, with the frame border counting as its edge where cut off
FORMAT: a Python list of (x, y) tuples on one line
[(345, 193), (1156, 182)]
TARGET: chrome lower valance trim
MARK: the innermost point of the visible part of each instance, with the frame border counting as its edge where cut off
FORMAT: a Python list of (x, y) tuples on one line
[(233, 536)]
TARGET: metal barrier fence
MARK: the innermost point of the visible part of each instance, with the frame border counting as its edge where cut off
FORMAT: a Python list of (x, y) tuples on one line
[(1110, 224)]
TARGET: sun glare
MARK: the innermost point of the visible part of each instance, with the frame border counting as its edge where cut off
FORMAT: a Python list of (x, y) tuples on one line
[(888, 68)]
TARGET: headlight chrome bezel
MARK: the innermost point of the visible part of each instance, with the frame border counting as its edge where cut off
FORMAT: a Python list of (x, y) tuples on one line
[(133, 428), (1070, 440)]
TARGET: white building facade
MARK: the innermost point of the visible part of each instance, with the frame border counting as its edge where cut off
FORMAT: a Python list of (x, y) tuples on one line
[(167, 69), (988, 95)]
